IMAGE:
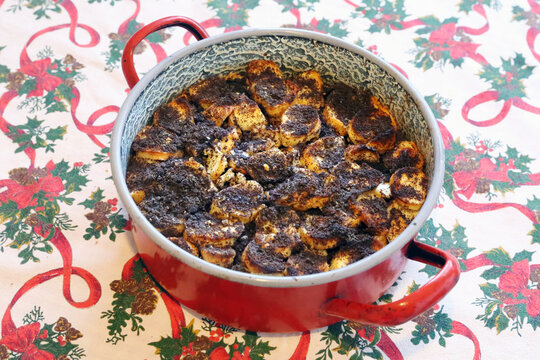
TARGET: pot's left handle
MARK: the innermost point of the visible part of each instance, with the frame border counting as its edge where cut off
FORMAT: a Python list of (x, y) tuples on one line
[(127, 57), (410, 306)]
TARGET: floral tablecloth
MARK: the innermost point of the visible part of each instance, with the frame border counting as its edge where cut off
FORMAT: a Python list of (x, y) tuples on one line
[(71, 284)]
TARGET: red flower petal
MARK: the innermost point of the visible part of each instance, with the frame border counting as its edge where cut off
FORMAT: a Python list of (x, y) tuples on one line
[(444, 34), (51, 184), (517, 279), (21, 338), (533, 301), (36, 68), (50, 166)]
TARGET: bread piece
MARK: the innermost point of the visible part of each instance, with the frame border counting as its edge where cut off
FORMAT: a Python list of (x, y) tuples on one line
[(308, 89), (323, 154), (361, 154), (377, 130), (257, 260), (299, 124), (307, 262), (222, 256), (320, 232), (204, 229), (409, 186), (303, 190), (268, 88), (239, 202), (342, 104), (404, 154), (247, 115)]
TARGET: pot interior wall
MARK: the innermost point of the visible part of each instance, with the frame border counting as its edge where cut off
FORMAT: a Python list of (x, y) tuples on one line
[(293, 54)]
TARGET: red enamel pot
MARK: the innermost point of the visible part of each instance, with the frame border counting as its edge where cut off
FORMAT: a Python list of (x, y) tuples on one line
[(283, 304)]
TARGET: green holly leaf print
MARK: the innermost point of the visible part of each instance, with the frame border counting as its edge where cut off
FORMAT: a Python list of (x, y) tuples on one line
[(258, 348), (336, 29), (454, 241), (499, 256), (296, 4), (4, 71), (508, 81), (493, 273), (233, 13), (167, 347), (535, 233), (467, 5), (35, 136)]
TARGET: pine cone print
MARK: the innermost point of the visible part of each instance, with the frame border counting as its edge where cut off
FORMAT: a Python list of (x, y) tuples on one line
[(356, 326), (131, 287), (102, 207), (73, 334), (146, 283), (117, 286), (69, 59), (4, 353), (202, 343), (535, 274), (470, 153), (15, 81), (32, 220), (198, 356), (438, 108), (499, 295), (99, 219), (511, 311), (145, 303), (426, 323), (69, 82), (39, 172), (467, 165), (436, 55), (62, 357), (99, 214), (21, 176), (532, 19), (457, 252), (62, 324), (482, 186)]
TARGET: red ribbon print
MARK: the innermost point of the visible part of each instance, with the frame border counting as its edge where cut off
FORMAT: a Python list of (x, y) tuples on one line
[(493, 95), (533, 32), (300, 353), (478, 8), (460, 329), (4, 125)]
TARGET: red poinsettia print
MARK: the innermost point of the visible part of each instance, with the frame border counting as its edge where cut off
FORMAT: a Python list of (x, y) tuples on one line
[(22, 189), (44, 80), (516, 283), (444, 38), (467, 181), (22, 341)]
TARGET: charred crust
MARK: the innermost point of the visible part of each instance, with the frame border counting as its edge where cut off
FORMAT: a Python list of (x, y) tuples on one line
[(295, 193), (268, 166), (305, 263), (304, 119), (157, 137)]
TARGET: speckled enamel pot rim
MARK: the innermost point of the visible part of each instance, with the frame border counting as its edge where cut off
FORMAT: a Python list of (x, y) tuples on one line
[(268, 280)]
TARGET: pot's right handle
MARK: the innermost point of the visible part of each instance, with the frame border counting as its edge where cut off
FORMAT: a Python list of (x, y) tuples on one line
[(127, 57), (410, 306)]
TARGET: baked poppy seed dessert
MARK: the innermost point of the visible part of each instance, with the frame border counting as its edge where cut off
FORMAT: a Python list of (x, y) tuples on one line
[(273, 174)]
